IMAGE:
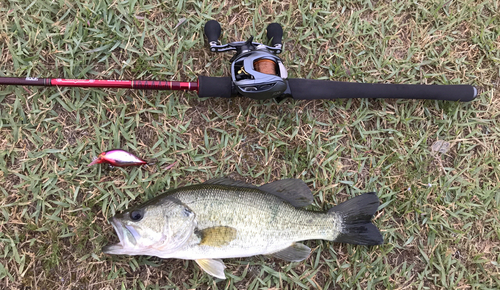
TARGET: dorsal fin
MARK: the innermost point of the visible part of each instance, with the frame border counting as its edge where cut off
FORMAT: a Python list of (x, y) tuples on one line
[(294, 191), (230, 182)]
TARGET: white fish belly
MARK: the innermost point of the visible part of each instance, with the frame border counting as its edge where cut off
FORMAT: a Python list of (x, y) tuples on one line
[(207, 252)]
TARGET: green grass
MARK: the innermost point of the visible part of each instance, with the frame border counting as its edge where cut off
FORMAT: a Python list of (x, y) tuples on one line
[(54, 209)]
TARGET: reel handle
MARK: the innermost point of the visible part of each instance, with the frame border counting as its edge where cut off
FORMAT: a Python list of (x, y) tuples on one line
[(212, 31), (275, 33)]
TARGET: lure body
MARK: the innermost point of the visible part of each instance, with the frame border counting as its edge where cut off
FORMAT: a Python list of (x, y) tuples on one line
[(119, 158)]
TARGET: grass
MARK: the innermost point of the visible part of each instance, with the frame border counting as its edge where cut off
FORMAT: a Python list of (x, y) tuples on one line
[(54, 209)]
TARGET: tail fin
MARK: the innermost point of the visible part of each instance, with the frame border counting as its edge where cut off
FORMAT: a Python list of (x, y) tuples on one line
[(355, 220)]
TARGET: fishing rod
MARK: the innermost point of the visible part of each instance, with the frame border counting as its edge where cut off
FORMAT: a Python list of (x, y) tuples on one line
[(258, 73)]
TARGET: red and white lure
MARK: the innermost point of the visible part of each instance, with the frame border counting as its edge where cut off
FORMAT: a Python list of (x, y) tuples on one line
[(119, 158)]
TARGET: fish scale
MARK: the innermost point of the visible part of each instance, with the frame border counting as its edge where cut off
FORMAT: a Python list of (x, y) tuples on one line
[(260, 220)]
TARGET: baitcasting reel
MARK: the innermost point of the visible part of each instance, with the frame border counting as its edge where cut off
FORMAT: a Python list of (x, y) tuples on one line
[(256, 70)]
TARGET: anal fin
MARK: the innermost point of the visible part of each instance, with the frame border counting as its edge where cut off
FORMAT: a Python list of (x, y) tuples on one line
[(295, 253), (214, 267)]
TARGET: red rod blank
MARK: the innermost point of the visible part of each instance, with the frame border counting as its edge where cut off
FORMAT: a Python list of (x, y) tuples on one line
[(137, 84)]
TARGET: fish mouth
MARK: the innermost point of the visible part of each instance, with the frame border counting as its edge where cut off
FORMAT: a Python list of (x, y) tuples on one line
[(127, 236)]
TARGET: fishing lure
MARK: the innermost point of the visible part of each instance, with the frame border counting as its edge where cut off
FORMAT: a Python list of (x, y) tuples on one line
[(119, 158)]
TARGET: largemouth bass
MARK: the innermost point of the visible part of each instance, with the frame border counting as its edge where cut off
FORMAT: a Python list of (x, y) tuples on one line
[(225, 218)]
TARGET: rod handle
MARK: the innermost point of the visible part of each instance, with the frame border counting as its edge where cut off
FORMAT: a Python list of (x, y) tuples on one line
[(305, 89), (216, 87)]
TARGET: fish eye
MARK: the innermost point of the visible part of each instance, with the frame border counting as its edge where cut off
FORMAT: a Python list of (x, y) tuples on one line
[(136, 215)]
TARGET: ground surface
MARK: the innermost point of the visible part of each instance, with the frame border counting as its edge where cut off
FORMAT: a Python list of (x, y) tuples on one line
[(439, 212)]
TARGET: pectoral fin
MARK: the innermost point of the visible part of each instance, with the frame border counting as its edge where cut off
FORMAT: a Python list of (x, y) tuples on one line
[(295, 253), (214, 267), (217, 236)]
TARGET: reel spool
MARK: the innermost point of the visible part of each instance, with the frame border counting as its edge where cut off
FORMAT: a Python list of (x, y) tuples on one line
[(265, 66)]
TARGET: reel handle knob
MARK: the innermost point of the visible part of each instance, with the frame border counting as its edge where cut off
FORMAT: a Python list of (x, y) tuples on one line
[(275, 33), (212, 30)]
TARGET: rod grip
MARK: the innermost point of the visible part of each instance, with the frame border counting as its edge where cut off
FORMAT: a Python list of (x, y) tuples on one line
[(275, 33), (218, 87), (305, 89), (212, 30)]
